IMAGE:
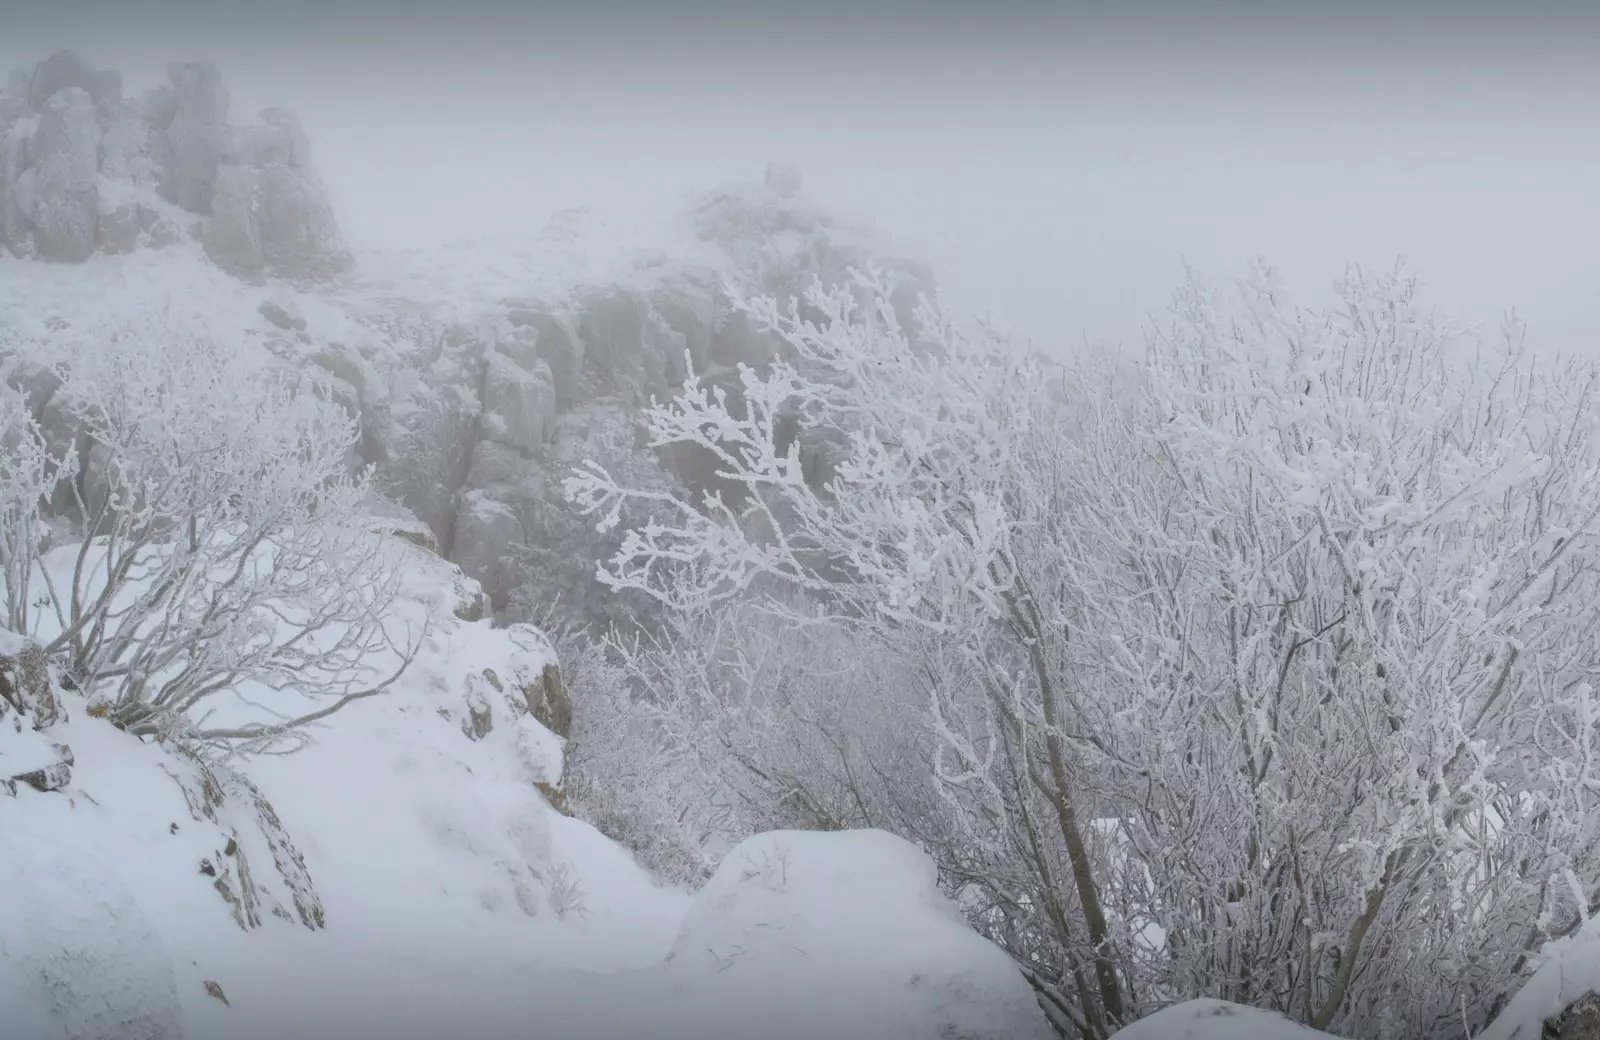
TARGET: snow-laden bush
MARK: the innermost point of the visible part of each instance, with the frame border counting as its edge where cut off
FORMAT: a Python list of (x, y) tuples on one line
[(215, 535), (1259, 668)]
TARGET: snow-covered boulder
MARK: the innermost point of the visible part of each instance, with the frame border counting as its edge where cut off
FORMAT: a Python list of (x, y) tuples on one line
[(485, 529), (15, 124), (519, 404), (63, 199), (64, 70), (273, 218), (1209, 1019), (549, 335), (842, 934), (193, 122), (80, 958)]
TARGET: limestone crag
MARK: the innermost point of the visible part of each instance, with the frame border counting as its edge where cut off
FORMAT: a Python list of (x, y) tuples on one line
[(469, 421), (85, 170), (476, 443)]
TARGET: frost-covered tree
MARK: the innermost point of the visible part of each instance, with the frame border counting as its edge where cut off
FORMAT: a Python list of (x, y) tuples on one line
[(29, 474), (219, 544), (1259, 668)]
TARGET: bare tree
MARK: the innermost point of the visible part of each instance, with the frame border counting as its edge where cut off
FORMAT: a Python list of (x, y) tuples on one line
[(29, 474), (1259, 668), (220, 546)]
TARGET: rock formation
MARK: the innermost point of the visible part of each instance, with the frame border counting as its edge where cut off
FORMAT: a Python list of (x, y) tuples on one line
[(469, 422), (85, 170)]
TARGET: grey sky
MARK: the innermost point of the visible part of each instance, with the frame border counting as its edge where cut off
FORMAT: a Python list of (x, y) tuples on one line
[(1056, 169)]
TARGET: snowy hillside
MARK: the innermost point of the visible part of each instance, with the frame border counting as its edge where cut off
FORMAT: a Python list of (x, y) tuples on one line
[(403, 873)]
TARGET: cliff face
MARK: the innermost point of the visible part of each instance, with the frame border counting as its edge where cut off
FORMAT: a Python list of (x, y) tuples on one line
[(85, 170)]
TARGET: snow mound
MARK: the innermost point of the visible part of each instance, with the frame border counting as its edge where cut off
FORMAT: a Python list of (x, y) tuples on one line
[(837, 934), (1208, 1019), (80, 959), (405, 861)]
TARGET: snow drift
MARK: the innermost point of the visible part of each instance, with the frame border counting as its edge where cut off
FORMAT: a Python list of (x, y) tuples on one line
[(405, 875)]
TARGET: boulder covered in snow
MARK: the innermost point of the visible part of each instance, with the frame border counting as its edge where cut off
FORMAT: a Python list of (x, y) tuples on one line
[(65, 70), (843, 934), (61, 196), (485, 530), (519, 403), (68, 139), (1208, 1019), (79, 957), (271, 217), (193, 124)]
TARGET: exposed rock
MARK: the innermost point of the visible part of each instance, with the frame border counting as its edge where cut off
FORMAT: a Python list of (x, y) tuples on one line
[(613, 330), (26, 684), (126, 225), (48, 778), (63, 200), (822, 450), (554, 708), (555, 795), (217, 794), (484, 530), (273, 218), (64, 70), (118, 229), (665, 360), (125, 144), (550, 335), (196, 132), (232, 236), (480, 717), (426, 455), (493, 464), (14, 126), (287, 124), (278, 138), (284, 312), (407, 530), (339, 359), (690, 310), (472, 603), (1580, 1021), (518, 405)]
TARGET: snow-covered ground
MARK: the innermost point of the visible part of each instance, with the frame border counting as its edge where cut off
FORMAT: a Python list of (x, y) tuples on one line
[(452, 899)]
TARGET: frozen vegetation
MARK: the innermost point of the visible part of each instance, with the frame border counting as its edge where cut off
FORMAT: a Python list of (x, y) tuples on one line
[(679, 625)]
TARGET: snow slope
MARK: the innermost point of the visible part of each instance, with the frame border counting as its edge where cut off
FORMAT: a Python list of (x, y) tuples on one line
[(432, 855), (409, 879), (1216, 1020)]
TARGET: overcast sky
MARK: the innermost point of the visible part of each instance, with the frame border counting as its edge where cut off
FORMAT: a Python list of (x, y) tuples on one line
[(1055, 168)]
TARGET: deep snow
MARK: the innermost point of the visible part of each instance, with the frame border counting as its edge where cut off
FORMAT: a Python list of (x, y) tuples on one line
[(456, 901)]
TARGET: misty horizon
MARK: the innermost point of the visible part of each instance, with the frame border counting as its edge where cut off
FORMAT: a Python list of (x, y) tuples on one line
[(1056, 168)]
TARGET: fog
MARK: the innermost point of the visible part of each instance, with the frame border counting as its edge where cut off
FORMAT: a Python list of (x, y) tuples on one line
[(1057, 171)]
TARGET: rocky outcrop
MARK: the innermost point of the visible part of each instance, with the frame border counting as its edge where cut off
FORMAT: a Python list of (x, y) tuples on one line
[(270, 212), (1580, 1021), (26, 686), (30, 705), (58, 193), (84, 170), (64, 70), (485, 531), (191, 118)]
